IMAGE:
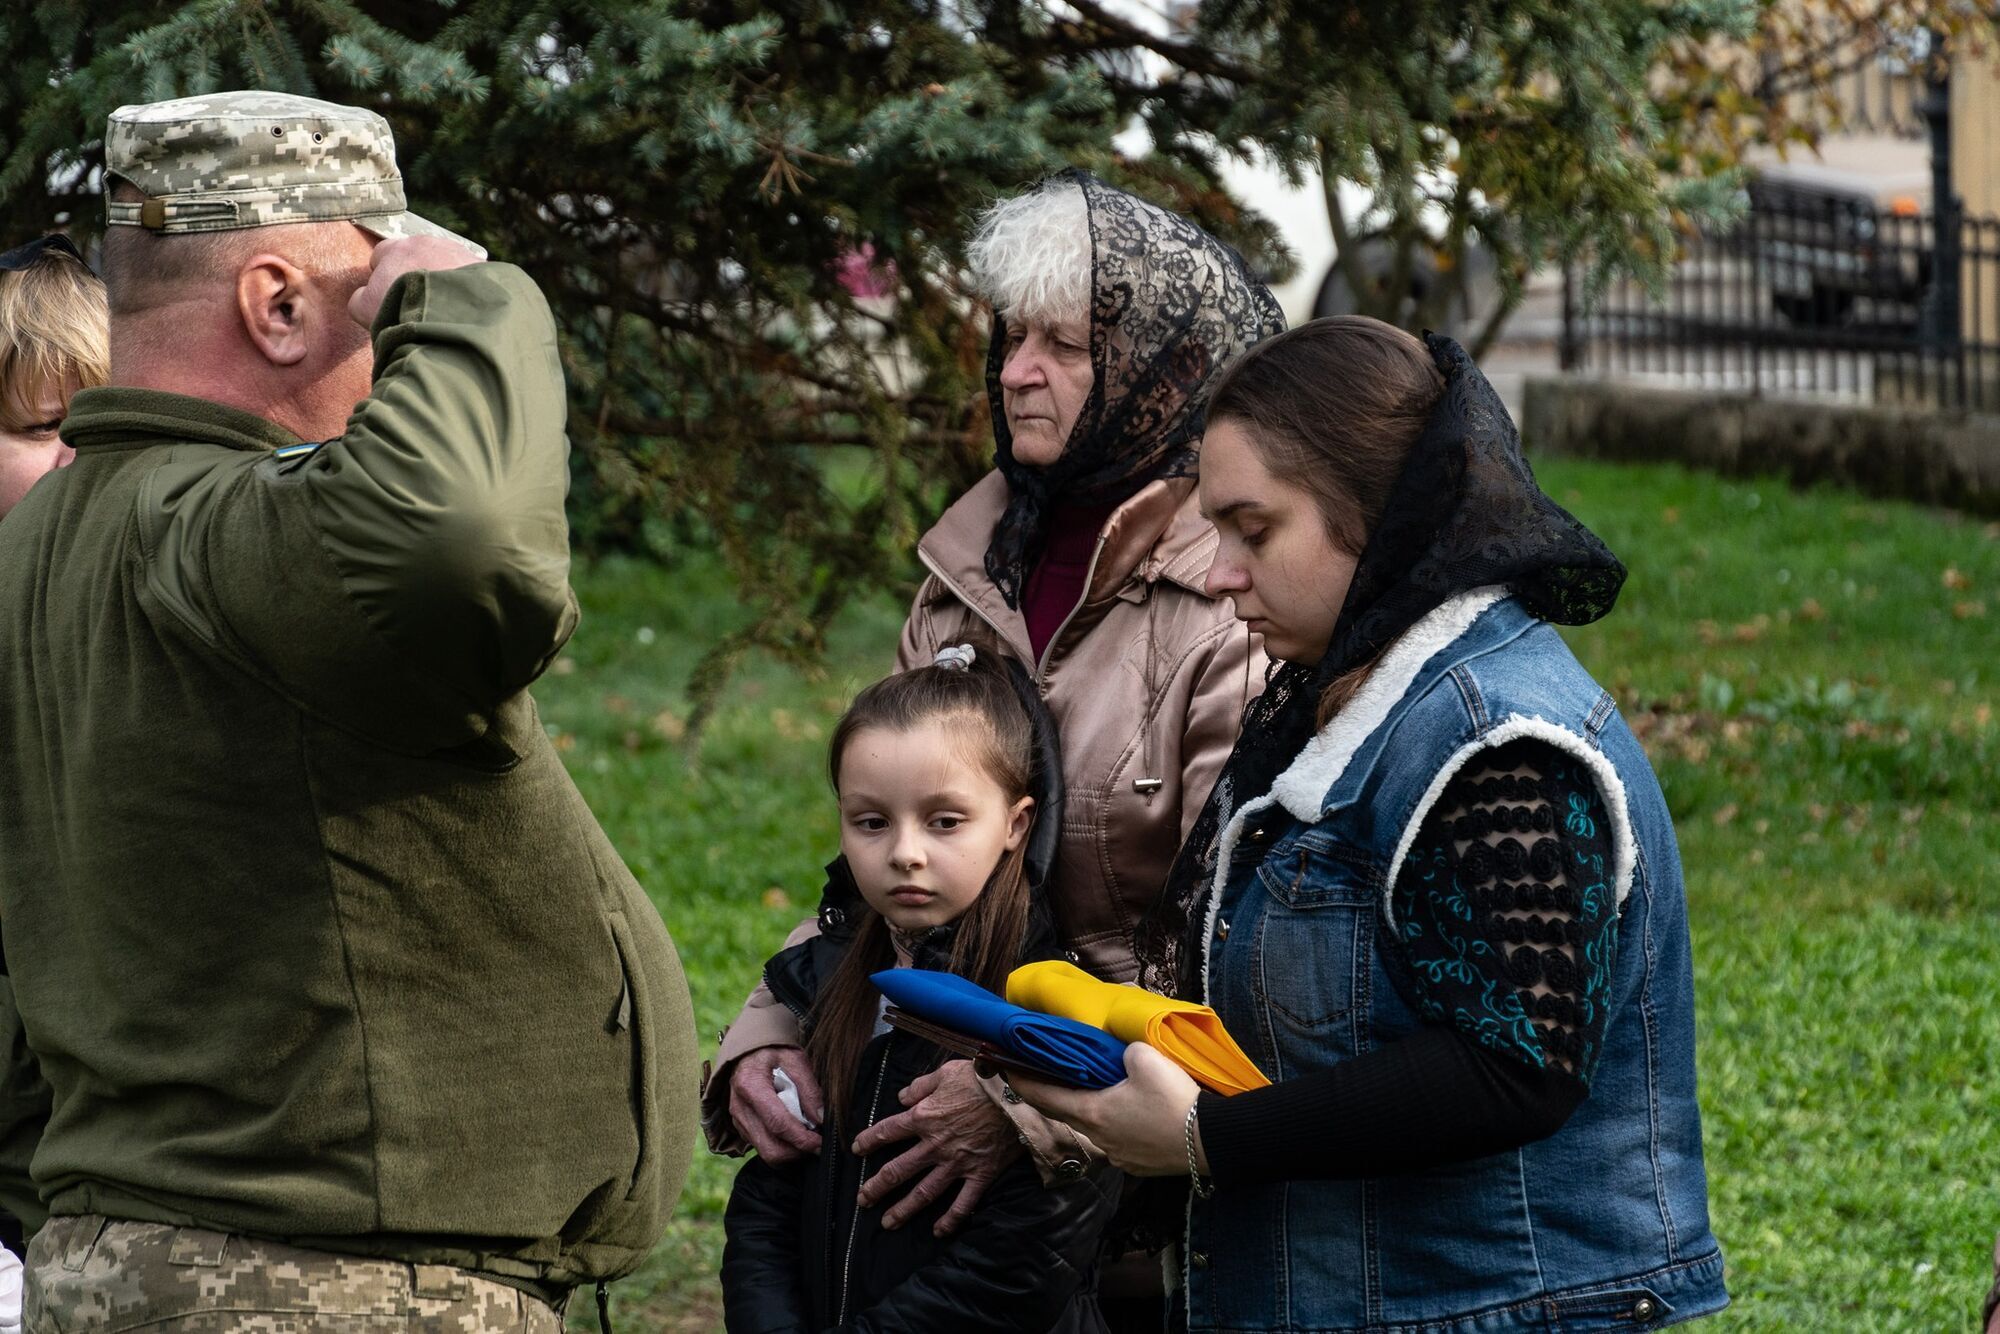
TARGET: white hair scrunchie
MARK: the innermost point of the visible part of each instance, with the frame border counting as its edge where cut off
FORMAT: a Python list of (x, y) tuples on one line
[(954, 658)]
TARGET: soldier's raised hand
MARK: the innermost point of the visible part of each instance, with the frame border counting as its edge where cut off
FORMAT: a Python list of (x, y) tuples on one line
[(394, 258)]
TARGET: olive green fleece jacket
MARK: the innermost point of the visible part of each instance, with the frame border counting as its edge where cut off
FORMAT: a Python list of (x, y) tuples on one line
[(305, 926)]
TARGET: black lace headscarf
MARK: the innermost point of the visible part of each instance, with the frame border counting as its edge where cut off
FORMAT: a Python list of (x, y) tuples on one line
[(1464, 512), (1169, 307)]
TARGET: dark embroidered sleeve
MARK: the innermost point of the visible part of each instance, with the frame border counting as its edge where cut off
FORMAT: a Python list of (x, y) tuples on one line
[(1506, 912)]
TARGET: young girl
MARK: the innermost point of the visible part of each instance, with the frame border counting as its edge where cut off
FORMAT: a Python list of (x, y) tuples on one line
[(937, 771)]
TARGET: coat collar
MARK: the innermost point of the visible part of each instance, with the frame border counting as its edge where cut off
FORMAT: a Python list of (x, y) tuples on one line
[(1303, 787), (121, 418), (1157, 534)]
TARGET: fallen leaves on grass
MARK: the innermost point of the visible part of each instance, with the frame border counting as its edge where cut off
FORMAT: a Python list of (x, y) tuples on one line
[(1956, 579), (792, 728), (775, 897), (1664, 732), (1968, 609), (1810, 610), (1750, 631), (669, 726)]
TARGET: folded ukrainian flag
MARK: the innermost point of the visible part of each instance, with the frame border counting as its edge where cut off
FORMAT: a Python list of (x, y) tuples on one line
[(1060, 1020), (1189, 1035), (1070, 1052)]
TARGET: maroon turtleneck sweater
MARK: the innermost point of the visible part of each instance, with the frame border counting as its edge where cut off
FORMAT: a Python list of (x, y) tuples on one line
[(1057, 582)]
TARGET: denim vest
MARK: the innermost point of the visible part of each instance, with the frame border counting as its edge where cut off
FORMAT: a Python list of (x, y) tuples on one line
[(1604, 1225)]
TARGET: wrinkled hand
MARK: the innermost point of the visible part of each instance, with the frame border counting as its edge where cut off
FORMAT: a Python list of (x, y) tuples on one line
[(397, 256), (962, 1139), (762, 1118), (1140, 1123)]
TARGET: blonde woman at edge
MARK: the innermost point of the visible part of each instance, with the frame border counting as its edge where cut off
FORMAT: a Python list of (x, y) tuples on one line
[(53, 342)]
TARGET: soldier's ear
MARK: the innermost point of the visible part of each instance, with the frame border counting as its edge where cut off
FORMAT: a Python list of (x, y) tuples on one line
[(272, 295)]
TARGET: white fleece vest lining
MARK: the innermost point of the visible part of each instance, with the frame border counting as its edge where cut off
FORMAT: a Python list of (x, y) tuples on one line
[(1321, 761), (1624, 847)]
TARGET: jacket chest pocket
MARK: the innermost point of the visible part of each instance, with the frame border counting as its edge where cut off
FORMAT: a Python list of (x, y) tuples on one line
[(633, 1018), (1313, 955)]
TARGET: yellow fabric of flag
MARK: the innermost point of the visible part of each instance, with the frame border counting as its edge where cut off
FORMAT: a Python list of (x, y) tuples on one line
[(1189, 1035)]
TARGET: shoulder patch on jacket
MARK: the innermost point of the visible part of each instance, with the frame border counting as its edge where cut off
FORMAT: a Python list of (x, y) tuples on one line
[(288, 457)]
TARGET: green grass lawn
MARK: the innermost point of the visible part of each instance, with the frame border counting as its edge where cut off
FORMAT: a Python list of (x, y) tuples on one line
[(1816, 676)]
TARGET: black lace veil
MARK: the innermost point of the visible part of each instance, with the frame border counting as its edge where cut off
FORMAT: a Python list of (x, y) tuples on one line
[(1170, 305), (1465, 512)]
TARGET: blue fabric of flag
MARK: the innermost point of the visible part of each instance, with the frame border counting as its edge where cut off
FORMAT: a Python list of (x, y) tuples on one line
[(1075, 1053)]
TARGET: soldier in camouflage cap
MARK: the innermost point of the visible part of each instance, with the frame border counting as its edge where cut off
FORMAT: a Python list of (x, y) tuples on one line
[(345, 1013), (225, 161)]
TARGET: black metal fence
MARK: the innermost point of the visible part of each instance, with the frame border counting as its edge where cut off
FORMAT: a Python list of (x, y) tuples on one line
[(1816, 293)]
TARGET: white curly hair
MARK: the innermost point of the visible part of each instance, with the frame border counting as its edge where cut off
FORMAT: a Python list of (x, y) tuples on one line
[(1031, 255)]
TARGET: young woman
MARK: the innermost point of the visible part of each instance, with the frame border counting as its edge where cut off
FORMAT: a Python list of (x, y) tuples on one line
[(1436, 894), (936, 774)]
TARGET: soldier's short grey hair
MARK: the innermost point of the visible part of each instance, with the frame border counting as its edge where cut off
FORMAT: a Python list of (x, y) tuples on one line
[(1031, 256), (143, 271)]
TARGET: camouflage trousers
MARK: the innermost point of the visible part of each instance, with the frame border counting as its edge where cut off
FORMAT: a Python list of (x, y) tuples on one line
[(92, 1275)]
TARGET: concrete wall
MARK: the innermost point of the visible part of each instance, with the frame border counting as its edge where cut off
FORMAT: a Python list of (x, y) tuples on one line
[(1938, 458), (1975, 166), (1975, 132)]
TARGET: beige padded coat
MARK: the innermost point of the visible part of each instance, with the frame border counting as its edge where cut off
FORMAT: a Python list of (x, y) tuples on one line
[(1147, 681)]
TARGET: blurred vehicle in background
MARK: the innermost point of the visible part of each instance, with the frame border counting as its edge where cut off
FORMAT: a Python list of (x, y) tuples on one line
[(1843, 239)]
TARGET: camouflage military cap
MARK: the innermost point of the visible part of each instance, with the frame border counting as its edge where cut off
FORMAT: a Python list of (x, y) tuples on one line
[(225, 161)]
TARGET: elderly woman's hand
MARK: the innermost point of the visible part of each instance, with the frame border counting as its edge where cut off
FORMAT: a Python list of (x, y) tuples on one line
[(1139, 1123), (963, 1140)]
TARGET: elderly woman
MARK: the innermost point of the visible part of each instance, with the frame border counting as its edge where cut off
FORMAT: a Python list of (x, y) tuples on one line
[(1436, 893), (1084, 554)]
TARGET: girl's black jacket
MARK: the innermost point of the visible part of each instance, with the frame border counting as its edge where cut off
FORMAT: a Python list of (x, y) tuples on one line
[(801, 1256)]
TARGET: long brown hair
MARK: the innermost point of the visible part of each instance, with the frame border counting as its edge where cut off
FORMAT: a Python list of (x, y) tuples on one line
[(992, 725), (1333, 407)]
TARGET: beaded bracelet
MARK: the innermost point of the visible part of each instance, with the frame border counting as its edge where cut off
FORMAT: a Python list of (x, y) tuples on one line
[(1201, 1192)]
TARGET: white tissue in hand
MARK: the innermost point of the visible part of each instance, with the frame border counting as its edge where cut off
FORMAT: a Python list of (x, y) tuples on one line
[(788, 1094), (10, 1292)]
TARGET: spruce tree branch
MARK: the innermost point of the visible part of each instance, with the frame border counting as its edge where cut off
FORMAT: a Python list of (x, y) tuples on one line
[(1346, 257), (1183, 54), (664, 428), (1510, 301), (761, 356)]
